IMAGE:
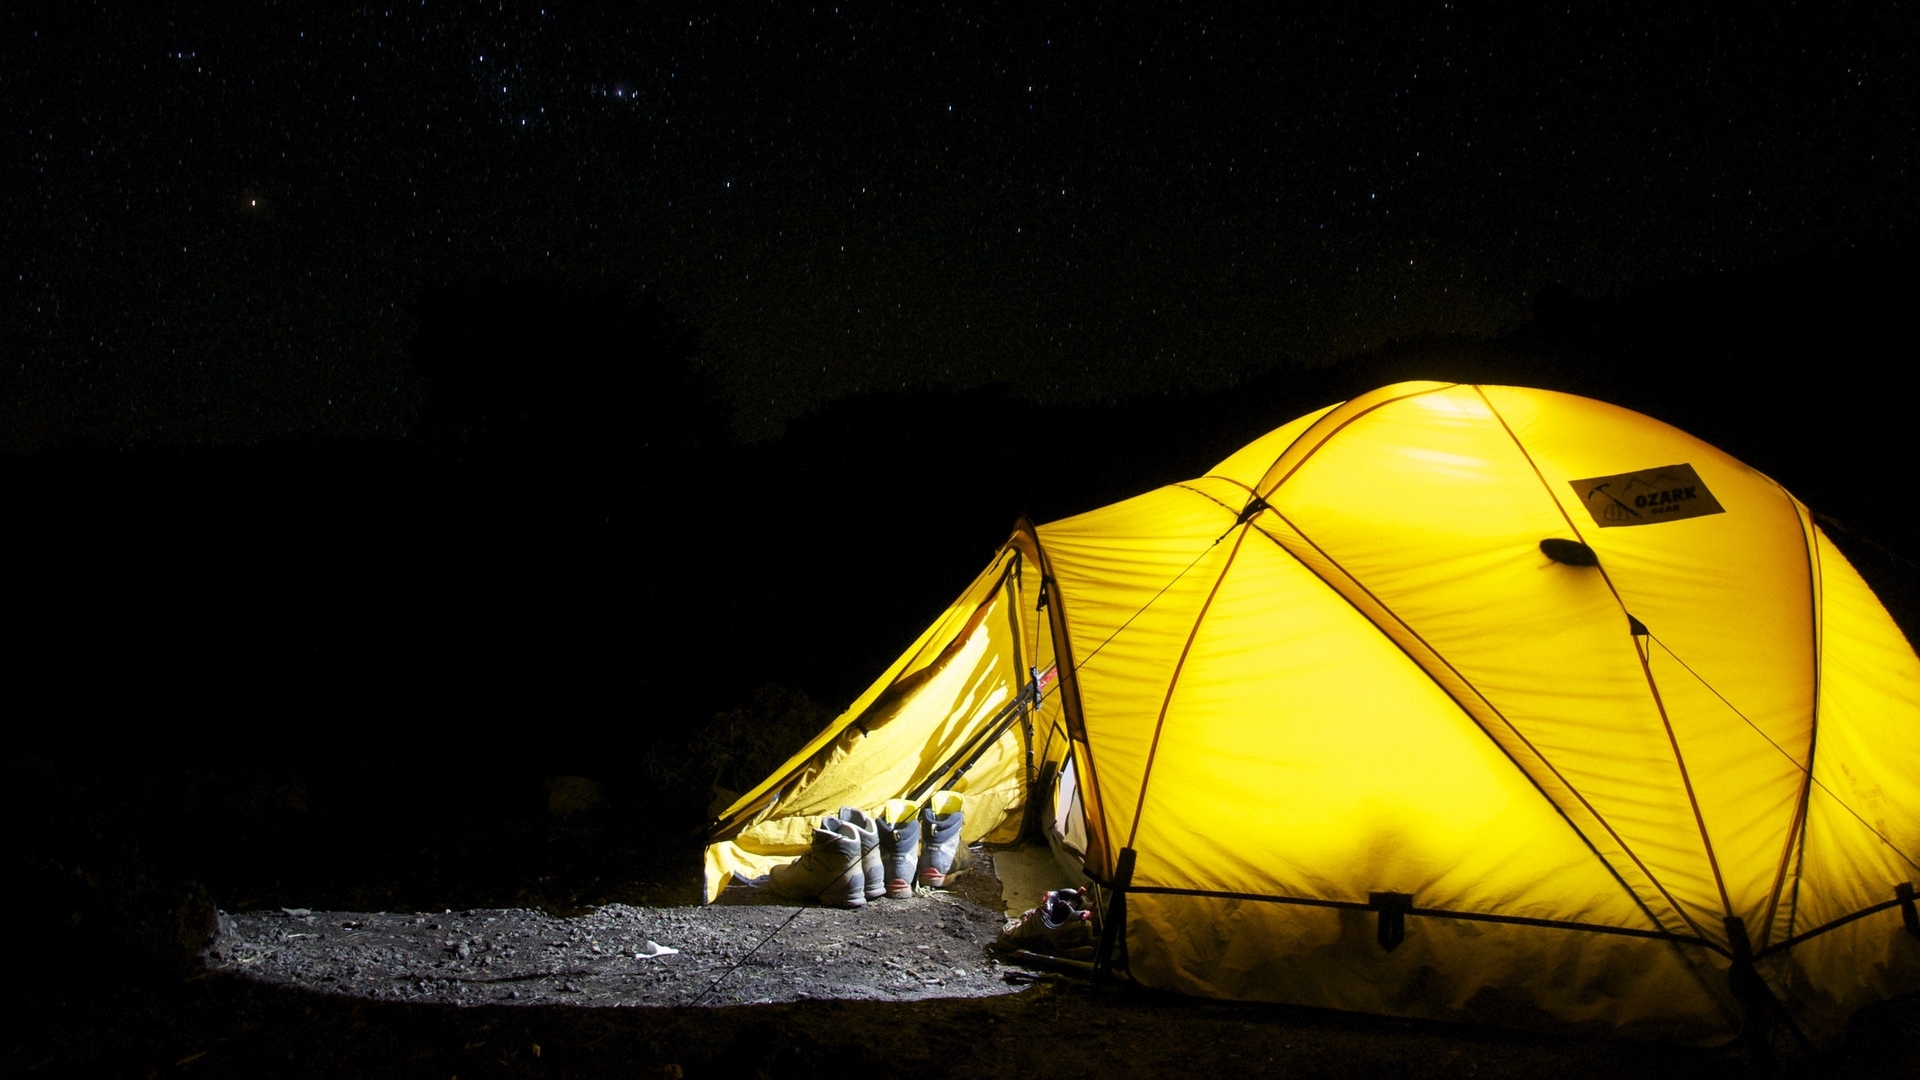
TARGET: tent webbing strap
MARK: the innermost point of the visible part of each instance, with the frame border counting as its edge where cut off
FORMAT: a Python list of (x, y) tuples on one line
[(1438, 913)]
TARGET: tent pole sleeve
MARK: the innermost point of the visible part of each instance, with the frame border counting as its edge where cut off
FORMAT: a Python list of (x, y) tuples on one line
[(1754, 995), (1098, 854), (1114, 927), (1871, 909)]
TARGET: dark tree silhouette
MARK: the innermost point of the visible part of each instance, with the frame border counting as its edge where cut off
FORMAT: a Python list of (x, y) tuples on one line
[(550, 372)]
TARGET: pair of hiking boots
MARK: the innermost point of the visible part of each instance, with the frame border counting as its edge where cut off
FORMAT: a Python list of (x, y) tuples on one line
[(857, 856)]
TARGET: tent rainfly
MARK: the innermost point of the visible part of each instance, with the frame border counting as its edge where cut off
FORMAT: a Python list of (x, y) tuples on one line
[(1449, 701)]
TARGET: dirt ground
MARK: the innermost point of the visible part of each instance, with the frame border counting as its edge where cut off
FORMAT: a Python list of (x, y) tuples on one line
[(748, 948), (756, 987)]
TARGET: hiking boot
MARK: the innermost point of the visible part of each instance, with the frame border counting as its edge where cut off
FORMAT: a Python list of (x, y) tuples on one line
[(942, 855), (899, 829), (870, 868), (830, 872), (1062, 902), (1060, 926)]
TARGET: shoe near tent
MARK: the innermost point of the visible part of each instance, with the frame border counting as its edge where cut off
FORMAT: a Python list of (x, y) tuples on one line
[(1448, 701)]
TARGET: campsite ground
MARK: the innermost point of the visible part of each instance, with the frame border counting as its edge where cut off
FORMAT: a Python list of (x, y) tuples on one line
[(377, 659), (756, 988)]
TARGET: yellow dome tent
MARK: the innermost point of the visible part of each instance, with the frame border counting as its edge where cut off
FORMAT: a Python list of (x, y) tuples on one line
[(1448, 701)]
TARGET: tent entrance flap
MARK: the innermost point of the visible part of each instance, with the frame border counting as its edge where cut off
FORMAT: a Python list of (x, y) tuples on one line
[(970, 753), (943, 716), (920, 671)]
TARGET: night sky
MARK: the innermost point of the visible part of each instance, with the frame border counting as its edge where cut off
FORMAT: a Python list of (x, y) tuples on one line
[(219, 228)]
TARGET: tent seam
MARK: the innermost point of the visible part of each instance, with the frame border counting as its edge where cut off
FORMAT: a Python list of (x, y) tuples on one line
[(1341, 425), (1817, 583), (1686, 779), (1071, 707), (1680, 761), (1494, 711)]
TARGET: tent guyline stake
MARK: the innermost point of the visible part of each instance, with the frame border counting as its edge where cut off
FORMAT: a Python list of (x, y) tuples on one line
[(1113, 928)]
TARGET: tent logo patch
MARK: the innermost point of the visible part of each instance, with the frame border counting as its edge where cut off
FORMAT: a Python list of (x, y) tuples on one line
[(1646, 497)]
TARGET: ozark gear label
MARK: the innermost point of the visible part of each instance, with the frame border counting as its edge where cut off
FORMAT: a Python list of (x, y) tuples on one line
[(1646, 497)]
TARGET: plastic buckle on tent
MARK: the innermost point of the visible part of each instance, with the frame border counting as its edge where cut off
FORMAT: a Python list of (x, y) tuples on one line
[(1904, 893), (1393, 908)]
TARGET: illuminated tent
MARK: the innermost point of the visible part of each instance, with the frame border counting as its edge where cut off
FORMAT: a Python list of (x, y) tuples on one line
[(1449, 701)]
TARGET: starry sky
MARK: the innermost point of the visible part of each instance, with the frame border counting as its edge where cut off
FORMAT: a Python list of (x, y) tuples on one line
[(220, 226)]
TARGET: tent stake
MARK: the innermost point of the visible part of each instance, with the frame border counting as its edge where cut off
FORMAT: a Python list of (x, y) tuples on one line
[(1114, 927)]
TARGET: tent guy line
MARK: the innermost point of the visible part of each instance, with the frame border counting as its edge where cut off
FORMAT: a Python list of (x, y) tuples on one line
[(1634, 627), (1173, 684), (1795, 762), (746, 956)]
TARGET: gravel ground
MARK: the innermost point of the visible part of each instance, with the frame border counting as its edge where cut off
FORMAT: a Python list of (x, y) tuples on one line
[(757, 988), (750, 948)]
